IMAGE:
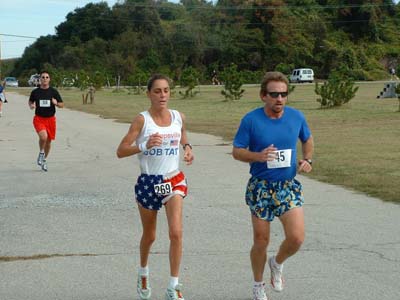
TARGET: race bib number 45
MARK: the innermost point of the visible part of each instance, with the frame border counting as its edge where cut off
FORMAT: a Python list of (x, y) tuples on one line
[(282, 159), (44, 103), (163, 188)]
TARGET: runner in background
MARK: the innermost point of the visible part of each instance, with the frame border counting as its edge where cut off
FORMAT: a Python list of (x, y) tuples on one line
[(44, 101), (2, 97)]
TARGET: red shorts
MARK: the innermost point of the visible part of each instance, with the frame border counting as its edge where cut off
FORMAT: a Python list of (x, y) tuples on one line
[(48, 124)]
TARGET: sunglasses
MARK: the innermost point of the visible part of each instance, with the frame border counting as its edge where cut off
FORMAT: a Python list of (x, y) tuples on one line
[(276, 94), (45, 77)]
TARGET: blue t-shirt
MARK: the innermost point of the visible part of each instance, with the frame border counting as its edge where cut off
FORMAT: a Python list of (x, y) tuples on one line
[(257, 131), (1, 88)]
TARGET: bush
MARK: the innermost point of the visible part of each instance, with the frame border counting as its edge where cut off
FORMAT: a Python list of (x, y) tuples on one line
[(138, 81), (378, 75), (360, 74), (336, 91), (189, 80), (252, 76), (233, 81), (284, 68)]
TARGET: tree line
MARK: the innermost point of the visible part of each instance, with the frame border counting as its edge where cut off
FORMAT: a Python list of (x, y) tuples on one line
[(134, 38)]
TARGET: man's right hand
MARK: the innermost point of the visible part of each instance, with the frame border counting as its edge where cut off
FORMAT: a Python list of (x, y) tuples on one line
[(268, 153)]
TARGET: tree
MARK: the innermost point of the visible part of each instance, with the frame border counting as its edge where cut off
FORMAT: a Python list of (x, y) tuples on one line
[(361, 18), (86, 23), (233, 82), (255, 35), (138, 81), (35, 56), (336, 91), (189, 80)]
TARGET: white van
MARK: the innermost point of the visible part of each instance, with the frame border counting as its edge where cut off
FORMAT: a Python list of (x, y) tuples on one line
[(302, 75)]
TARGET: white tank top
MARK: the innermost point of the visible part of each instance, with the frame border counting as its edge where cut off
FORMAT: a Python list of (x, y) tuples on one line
[(165, 158)]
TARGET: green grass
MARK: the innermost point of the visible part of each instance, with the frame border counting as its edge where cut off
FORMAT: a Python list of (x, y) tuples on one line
[(356, 145)]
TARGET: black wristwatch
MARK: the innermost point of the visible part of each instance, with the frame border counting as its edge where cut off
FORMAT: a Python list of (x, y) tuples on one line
[(187, 145), (309, 161)]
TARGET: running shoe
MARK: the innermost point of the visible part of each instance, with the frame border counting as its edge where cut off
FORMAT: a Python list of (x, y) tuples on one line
[(259, 292), (276, 275), (174, 294), (44, 165), (143, 287), (40, 158)]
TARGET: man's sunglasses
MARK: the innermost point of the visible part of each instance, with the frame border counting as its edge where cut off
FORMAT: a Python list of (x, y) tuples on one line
[(45, 77), (276, 94)]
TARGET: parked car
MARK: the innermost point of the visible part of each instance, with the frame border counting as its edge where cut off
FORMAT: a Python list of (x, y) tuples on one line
[(34, 80), (11, 81), (302, 75)]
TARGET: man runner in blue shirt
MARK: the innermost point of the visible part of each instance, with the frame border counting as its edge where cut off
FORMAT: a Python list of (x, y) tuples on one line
[(267, 139)]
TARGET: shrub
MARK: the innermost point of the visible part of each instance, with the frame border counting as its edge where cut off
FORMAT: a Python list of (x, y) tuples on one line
[(233, 81), (251, 77), (336, 91), (138, 81), (189, 80), (284, 68)]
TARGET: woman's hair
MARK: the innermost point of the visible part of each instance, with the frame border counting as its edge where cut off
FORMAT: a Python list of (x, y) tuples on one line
[(272, 76), (156, 77)]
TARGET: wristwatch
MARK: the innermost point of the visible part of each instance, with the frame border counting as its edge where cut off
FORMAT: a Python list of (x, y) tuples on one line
[(309, 161)]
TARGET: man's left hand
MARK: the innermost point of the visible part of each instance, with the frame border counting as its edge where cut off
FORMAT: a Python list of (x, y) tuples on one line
[(304, 166)]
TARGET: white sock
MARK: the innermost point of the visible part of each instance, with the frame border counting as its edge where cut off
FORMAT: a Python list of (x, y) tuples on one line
[(257, 284), (278, 266), (173, 282), (144, 271)]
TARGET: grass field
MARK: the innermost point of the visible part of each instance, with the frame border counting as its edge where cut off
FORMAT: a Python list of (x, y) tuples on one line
[(356, 145)]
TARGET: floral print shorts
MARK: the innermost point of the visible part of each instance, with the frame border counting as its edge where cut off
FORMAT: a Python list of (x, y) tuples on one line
[(267, 200)]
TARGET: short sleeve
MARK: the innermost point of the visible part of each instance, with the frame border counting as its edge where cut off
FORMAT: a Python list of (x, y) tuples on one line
[(242, 137), (305, 131)]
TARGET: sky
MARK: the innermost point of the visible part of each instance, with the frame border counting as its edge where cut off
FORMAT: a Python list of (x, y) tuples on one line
[(32, 19)]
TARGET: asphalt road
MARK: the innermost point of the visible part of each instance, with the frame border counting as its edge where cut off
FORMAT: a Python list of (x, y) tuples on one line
[(73, 232)]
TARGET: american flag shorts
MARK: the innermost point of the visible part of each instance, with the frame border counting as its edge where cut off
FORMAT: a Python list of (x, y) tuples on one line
[(146, 195)]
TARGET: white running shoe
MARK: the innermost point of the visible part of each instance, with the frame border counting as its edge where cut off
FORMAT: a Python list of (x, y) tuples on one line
[(276, 275), (174, 294), (40, 158), (143, 287), (259, 292), (44, 165)]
